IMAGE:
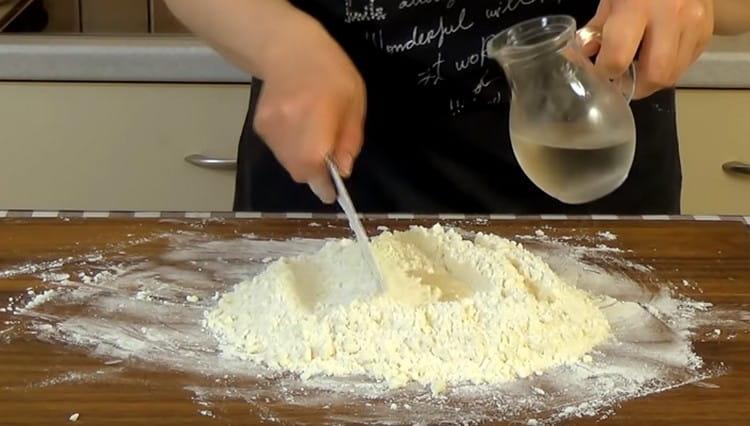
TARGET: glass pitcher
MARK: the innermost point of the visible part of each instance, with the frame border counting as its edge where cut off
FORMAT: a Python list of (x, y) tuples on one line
[(572, 130)]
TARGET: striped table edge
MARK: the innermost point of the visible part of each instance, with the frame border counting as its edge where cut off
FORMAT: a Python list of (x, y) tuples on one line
[(52, 214)]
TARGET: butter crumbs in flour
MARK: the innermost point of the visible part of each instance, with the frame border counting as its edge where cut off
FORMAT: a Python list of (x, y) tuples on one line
[(456, 311)]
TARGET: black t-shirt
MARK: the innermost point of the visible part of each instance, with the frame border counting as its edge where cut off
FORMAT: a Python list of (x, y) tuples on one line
[(436, 133)]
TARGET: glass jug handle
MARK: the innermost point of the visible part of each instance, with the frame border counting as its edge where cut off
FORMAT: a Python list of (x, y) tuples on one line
[(626, 82)]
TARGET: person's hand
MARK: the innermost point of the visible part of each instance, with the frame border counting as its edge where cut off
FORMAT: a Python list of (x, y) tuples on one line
[(671, 34), (312, 104)]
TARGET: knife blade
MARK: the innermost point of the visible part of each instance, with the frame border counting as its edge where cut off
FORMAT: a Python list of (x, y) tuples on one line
[(363, 241)]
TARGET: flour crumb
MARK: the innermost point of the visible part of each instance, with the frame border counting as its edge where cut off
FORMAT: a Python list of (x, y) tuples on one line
[(438, 387), (607, 235), (207, 413), (41, 299), (74, 417), (539, 233), (394, 406), (192, 298), (538, 391), (144, 295), (382, 228), (532, 422), (54, 277)]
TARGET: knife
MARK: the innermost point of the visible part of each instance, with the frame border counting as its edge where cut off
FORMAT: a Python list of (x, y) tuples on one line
[(342, 196)]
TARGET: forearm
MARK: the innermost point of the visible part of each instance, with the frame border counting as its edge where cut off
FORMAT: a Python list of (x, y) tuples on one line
[(732, 16), (244, 31)]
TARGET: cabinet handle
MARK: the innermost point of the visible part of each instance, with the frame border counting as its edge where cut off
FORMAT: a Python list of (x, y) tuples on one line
[(737, 167), (211, 162)]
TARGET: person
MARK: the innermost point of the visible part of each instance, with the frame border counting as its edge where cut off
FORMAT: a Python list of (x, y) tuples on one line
[(402, 96)]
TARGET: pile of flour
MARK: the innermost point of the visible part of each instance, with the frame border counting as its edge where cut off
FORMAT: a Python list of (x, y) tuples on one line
[(455, 311)]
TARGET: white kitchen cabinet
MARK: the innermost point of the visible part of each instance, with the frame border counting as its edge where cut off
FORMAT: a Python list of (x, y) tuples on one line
[(102, 146), (714, 127), (97, 146)]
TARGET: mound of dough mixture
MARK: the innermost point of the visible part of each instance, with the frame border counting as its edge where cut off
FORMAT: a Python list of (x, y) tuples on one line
[(455, 311)]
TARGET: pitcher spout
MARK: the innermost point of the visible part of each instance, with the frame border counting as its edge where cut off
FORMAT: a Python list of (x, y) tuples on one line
[(531, 38)]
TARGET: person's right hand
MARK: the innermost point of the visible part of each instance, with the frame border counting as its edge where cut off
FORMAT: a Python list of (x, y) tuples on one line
[(312, 104)]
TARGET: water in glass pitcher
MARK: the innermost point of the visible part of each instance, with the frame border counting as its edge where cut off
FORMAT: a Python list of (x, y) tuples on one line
[(571, 128), (574, 175)]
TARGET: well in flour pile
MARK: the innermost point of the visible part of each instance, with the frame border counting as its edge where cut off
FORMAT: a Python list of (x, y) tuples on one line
[(456, 311)]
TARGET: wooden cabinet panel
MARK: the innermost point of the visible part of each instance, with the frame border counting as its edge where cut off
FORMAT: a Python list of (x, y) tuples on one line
[(163, 21), (117, 146), (714, 128), (115, 16), (64, 16), (9, 10)]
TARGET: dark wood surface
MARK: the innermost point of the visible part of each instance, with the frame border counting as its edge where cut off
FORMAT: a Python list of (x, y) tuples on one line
[(714, 255)]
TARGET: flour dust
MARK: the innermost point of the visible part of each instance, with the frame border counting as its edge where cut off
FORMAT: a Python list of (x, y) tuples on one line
[(149, 311)]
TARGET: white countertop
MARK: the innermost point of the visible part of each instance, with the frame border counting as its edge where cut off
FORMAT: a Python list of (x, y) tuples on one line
[(186, 59), (103, 58)]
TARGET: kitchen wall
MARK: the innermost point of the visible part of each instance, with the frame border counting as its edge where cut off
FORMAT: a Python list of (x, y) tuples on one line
[(153, 16), (111, 16), (731, 44)]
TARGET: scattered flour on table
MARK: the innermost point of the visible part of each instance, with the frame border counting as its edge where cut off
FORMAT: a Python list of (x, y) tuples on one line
[(456, 311), (607, 235), (120, 305)]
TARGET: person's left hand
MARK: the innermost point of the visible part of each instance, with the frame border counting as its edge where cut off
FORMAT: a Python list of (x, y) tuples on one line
[(671, 34)]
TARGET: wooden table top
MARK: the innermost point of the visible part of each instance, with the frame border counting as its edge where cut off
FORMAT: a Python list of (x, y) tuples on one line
[(714, 255)]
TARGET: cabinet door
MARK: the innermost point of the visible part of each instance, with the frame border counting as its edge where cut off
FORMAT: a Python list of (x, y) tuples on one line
[(117, 146), (714, 128)]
